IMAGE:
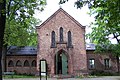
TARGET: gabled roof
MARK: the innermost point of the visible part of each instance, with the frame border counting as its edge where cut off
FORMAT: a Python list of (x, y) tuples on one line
[(59, 10)]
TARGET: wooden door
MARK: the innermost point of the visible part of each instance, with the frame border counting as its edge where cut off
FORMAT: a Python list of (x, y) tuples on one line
[(64, 64)]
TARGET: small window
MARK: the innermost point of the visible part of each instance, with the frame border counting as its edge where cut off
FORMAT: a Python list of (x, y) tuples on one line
[(34, 63), (10, 63), (53, 43), (69, 39), (107, 63), (26, 63), (18, 63), (91, 63), (61, 34)]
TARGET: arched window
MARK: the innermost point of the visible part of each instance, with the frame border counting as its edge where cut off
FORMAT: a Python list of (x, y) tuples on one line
[(26, 63), (10, 63), (18, 63), (34, 63), (53, 39), (61, 34), (69, 39)]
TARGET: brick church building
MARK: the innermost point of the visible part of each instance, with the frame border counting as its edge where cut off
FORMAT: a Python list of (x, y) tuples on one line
[(61, 42)]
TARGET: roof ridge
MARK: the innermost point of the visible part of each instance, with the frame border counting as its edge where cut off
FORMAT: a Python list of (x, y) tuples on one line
[(55, 13)]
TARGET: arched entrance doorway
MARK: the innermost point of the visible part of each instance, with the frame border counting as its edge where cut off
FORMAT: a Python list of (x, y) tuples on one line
[(61, 63)]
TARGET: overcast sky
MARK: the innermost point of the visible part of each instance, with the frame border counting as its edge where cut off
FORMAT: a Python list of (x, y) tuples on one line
[(79, 14)]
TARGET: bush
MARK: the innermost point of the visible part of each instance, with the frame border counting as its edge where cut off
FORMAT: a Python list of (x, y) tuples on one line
[(101, 73)]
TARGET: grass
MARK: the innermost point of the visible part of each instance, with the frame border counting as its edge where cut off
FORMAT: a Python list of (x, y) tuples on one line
[(18, 76), (96, 74)]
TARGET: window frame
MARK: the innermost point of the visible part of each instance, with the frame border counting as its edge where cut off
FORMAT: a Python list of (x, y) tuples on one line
[(69, 43), (61, 35), (18, 62), (53, 40), (107, 63), (91, 63), (26, 63), (34, 63), (10, 63)]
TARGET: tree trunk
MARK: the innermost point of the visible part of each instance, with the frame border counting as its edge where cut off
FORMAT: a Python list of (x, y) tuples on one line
[(4, 52), (2, 27), (118, 66)]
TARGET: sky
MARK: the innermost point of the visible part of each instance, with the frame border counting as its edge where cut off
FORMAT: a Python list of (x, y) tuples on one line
[(78, 14)]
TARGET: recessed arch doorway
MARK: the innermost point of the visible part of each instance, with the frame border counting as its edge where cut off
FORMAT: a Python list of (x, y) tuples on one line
[(61, 63)]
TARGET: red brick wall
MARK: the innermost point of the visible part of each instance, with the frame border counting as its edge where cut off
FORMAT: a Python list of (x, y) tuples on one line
[(99, 61), (22, 69)]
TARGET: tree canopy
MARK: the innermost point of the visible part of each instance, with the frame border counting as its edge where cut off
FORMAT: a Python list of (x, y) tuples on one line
[(107, 22), (107, 19), (20, 23)]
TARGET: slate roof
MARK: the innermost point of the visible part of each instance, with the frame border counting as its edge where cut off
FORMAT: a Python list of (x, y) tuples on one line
[(29, 50), (22, 50), (90, 46)]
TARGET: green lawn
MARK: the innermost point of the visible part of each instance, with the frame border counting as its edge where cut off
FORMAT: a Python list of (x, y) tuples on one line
[(18, 76)]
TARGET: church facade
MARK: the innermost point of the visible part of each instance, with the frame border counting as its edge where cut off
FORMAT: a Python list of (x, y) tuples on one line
[(61, 42)]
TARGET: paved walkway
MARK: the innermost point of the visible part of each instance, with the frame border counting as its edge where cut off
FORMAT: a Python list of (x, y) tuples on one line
[(98, 78)]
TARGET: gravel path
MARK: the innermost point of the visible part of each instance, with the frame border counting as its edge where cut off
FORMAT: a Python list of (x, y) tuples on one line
[(99, 78)]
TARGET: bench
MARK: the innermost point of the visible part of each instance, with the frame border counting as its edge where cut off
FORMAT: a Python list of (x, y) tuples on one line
[(9, 73)]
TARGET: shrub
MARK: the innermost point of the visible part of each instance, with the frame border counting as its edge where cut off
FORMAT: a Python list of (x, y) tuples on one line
[(101, 73)]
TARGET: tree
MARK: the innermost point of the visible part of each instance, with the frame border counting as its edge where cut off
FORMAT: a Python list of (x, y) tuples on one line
[(16, 13), (107, 23), (106, 26), (2, 27), (20, 23), (19, 34)]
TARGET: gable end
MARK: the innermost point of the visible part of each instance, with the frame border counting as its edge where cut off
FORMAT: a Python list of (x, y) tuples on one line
[(60, 9)]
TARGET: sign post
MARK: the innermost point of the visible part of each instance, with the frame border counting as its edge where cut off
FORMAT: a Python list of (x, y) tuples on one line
[(43, 68)]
